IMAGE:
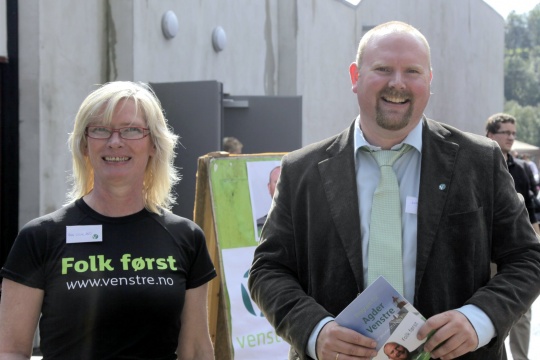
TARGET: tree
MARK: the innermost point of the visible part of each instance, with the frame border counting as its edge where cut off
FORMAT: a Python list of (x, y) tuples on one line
[(533, 26), (528, 121), (516, 33), (521, 81), (522, 73), (522, 58)]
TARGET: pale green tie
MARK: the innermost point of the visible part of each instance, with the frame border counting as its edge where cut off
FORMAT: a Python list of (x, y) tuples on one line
[(385, 254)]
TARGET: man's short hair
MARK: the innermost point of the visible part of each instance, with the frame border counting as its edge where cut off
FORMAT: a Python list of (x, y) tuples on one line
[(232, 145), (493, 123), (387, 28)]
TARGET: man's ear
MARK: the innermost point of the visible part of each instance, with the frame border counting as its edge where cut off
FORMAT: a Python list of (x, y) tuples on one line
[(353, 72)]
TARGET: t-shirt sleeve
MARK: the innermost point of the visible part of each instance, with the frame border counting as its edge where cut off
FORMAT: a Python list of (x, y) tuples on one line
[(202, 269), (25, 262)]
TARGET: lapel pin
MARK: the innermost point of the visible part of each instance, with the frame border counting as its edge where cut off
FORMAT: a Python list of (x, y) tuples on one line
[(442, 186)]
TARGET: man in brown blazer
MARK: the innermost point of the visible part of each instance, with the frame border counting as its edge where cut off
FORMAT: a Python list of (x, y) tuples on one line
[(459, 212)]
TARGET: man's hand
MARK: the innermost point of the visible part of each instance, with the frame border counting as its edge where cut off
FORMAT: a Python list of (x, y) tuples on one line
[(334, 339), (454, 333)]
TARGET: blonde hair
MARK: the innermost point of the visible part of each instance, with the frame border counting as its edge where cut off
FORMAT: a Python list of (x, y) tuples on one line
[(160, 174), (388, 28)]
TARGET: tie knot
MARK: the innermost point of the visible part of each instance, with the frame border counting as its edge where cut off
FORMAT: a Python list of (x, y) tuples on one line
[(389, 157)]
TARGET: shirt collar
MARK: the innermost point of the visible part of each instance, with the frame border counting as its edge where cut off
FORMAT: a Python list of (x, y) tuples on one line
[(414, 138)]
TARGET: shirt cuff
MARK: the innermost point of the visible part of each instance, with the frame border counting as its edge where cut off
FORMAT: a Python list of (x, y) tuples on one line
[(311, 348), (482, 324)]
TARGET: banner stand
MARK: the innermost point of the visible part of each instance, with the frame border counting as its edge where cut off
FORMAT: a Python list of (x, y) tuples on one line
[(204, 217), (221, 194)]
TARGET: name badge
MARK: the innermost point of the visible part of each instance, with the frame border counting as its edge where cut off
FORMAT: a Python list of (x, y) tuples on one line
[(411, 205), (83, 234)]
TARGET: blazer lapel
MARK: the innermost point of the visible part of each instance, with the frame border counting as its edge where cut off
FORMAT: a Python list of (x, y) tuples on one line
[(338, 176), (438, 161)]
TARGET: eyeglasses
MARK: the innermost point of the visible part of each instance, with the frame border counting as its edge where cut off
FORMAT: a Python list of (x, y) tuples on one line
[(127, 133), (507, 133)]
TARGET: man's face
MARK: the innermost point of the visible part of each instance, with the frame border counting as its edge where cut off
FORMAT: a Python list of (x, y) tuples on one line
[(274, 176), (505, 136), (392, 83), (395, 351)]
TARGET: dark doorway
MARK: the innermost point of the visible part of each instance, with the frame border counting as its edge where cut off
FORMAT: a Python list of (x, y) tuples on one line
[(202, 115), (9, 136)]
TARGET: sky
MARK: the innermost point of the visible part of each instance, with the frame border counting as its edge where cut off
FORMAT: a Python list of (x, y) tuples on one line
[(505, 7)]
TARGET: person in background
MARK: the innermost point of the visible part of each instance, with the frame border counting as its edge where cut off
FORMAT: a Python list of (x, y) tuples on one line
[(232, 145), (529, 170), (502, 129), (459, 212), (113, 274), (272, 182), (534, 169)]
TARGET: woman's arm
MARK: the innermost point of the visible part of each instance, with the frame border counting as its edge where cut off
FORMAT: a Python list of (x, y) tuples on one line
[(19, 314), (194, 340)]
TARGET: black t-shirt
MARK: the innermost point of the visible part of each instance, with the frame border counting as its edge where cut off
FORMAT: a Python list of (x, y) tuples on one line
[(118, 294)]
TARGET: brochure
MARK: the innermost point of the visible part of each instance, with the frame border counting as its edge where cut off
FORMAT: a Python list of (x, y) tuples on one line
[(382, 314)]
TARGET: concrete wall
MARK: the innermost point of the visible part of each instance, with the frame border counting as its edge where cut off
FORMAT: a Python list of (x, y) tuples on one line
[(467, 44), (274, 47), (61, 57)]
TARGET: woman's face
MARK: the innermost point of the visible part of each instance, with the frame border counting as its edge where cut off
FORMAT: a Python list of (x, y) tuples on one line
[(117, 161)]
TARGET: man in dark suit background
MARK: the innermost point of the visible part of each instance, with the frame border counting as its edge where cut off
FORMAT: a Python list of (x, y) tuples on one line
[(501, 128), (459, 213)]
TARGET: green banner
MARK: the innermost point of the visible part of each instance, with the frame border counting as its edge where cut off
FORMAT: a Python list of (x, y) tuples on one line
[(240, 196)]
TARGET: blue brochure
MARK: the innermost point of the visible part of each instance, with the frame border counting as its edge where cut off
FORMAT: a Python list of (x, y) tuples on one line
[(381, 313)]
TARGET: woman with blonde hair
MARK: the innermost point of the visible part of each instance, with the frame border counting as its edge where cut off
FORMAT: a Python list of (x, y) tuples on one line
[(113, 274)]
